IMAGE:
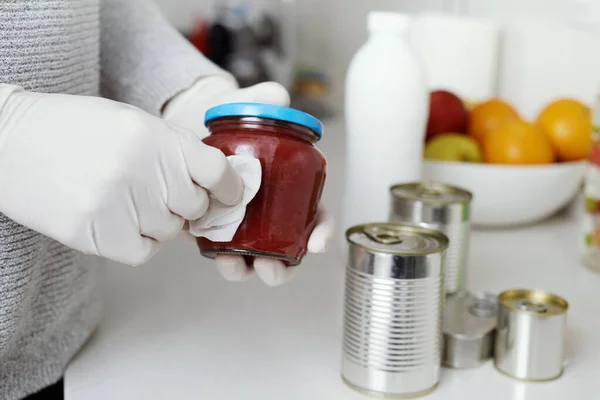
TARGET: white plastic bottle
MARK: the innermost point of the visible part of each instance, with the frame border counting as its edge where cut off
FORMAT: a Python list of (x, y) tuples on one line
[(386, 108)]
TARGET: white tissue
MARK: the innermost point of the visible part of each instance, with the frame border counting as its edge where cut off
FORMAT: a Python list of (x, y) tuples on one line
[(220, 222)]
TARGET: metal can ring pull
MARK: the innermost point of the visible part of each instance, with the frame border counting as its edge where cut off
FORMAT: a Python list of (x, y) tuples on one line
[(483, 308), (428, 192), (532, 306), (383, 236)]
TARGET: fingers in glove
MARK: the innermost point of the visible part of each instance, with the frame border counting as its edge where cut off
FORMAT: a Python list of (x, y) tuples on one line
[(187, 236), (181, 194), (146, 249), (273, 272), (321, 235), (266, 92), (209, 168), (154, 219), (123, 246), (186, 199), (207, 88), (233, 268)]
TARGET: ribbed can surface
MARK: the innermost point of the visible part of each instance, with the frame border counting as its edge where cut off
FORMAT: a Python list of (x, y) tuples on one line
[(392, 312), (443, 208)]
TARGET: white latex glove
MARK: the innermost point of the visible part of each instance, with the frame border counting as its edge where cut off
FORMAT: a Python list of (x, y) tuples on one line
[(103, 177), (187, 110)]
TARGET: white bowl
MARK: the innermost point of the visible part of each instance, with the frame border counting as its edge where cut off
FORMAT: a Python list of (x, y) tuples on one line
[(505, 195)]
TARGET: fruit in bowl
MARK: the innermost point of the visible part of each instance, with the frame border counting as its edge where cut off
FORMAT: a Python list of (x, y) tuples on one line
[(518, 171), (568, 125), (562, 132), (489, 116), (517, 142), (447, 113), (453, 147)]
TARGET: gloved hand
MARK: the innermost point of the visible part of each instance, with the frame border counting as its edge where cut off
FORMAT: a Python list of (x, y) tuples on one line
[(187, 110), (103, 177)]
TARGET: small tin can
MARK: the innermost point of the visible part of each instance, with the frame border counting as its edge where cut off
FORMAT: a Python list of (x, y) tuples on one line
[(440, 207), (392, 310), (469, 324), (530, 337)]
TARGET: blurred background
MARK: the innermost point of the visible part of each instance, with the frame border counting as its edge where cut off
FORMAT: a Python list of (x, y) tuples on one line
[(485, 63), (314, 40)]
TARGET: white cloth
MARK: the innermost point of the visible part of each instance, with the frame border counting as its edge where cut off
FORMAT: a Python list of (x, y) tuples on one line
[(220, 222)]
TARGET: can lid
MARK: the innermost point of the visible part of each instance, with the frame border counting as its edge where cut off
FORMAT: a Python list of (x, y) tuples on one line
[(469, 316), (397, 239), (268, 111), (431, 193), (533, 301)]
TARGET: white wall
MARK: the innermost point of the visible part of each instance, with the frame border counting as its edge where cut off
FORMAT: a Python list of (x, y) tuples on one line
[(313, 17), (182, 13), (350, 31), (330, 31)]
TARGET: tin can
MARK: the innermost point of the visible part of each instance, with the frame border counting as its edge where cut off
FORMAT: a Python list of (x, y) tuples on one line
[(530, 337), (443, 208), (392, 312), (469, 324)]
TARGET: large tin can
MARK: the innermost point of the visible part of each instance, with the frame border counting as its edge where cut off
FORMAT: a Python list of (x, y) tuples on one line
[(440, 207), (392, 312), (469, 324), (530, 337)]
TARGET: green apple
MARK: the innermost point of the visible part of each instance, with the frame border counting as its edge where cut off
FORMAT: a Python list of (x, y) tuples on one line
[(453, 147)]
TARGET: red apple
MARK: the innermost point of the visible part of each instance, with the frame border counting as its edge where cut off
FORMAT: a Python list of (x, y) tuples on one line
[(594, 156), (447, 113)]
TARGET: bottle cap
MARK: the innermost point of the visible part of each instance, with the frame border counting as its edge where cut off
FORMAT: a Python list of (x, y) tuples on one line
[(268, 111), (391, 22)]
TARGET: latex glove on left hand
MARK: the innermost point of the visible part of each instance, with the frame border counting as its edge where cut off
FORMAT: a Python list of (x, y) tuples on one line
[(187, 110)]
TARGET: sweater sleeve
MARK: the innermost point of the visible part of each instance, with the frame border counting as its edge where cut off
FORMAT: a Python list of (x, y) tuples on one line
[(144, 60)]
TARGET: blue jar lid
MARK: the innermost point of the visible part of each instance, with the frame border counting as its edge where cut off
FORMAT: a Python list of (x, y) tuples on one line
[(267, 111)]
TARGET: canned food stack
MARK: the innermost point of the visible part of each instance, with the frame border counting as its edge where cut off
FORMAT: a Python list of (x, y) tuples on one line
[(407, 311)]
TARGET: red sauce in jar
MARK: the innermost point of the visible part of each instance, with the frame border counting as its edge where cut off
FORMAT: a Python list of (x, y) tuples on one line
[(280, 219)]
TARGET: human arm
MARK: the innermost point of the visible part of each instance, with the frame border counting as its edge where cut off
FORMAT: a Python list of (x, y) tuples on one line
[(145, 61)]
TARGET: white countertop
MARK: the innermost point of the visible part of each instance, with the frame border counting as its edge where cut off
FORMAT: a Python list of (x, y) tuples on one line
[(174, 329)]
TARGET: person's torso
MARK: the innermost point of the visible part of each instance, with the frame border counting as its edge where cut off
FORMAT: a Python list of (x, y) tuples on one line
[(48, 305)]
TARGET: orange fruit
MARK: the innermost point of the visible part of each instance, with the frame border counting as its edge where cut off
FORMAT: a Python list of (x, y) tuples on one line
[(568, 125), (518, 142), (489, 116)]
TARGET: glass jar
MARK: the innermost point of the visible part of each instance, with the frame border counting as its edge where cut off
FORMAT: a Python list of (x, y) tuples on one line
[(280, 219)]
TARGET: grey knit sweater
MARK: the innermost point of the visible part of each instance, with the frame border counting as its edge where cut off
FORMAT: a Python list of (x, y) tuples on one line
[(125, 50)]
